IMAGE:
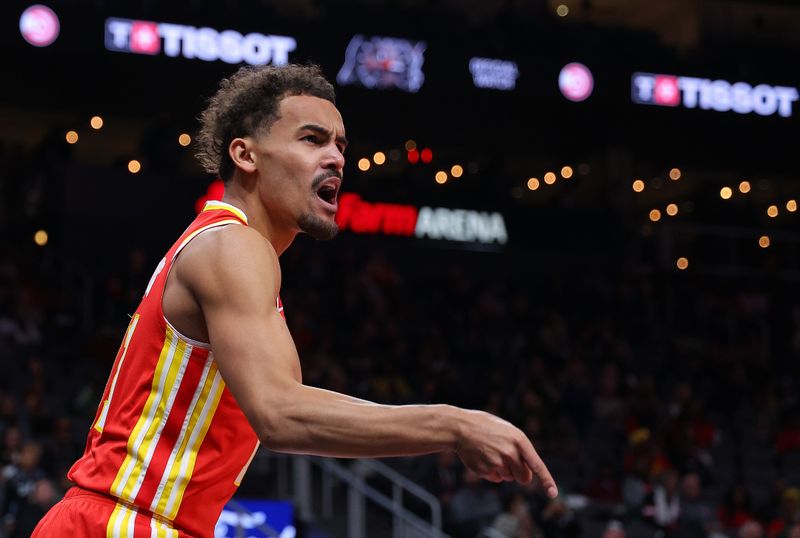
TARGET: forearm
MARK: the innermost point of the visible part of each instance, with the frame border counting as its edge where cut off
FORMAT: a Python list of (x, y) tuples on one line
[(308, 420)]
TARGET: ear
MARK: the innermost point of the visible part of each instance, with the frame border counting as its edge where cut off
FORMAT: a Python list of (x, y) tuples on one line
[(240, 151)]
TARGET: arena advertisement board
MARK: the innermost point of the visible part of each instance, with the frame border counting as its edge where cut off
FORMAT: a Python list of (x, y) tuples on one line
[(256, 519), (459, 225), (708, 94), (39, 25), (576, 82), (383, 63), (493, 73), (206, 44)]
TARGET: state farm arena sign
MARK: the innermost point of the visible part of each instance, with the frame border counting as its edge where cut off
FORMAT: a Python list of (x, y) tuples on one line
[(461, 225)]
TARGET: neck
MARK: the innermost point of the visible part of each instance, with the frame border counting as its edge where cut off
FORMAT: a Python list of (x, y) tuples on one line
[(257, 216)]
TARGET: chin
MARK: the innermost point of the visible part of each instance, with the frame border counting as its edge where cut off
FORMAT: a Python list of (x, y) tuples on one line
[(320, 228)]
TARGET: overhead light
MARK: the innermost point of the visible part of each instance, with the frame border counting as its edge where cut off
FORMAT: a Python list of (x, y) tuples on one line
[(40, 237)]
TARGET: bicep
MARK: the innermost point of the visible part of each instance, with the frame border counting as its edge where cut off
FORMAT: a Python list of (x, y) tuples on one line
[(237, 291)]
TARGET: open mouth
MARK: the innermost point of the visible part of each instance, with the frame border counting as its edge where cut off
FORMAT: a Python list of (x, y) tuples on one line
[(328, 190)]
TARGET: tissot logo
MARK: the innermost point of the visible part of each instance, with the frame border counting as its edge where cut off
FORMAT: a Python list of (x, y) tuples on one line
[(460, 225), (208, 44), (719, 95)]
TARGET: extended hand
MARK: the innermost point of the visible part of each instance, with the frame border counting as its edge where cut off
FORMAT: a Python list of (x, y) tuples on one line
[(496, 450)]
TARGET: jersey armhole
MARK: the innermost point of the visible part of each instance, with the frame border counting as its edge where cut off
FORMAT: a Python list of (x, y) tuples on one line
[(183, 244)]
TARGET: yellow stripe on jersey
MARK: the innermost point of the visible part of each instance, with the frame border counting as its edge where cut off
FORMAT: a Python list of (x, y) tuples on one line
[(182, 469), (101, 420), (216, 204), (122, 522), (198, 400), (113, 522), (145, 435), (160, 530)]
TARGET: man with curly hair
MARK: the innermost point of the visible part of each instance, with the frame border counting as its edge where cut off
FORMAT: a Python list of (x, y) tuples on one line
[(207, 369)]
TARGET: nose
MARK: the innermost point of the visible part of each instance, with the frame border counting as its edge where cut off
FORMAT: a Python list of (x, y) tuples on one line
[(334, 160)]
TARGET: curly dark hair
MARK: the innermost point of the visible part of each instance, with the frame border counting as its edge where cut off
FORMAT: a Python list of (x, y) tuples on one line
[(246, 104)]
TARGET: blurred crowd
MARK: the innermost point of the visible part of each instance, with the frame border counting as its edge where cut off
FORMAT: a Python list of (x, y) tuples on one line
[(664, 404)]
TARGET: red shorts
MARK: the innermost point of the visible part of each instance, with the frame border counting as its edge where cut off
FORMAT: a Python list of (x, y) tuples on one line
[(91, 515)]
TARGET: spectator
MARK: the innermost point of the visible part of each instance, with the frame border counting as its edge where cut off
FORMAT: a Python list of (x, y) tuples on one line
[(663, 505), (20, 483), (558, 520), (614, 529), (43, 496), (474, 506), (515, 522), (736, 510), (695, 514), (789, 513), (751, 529)]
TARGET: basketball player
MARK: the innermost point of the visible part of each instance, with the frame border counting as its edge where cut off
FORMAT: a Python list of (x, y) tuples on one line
[(207, 369)]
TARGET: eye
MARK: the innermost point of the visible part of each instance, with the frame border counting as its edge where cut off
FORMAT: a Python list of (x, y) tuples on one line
[(311, 138)]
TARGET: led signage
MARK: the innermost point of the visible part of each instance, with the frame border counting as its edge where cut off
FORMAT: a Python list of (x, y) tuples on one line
[(39, 25), (460, 225), (257, 518), (707, 94), (207, 44), (494, 74), (382, 63), (575, 82)]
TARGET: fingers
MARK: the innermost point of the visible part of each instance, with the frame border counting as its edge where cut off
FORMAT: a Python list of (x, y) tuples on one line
[(494, 476), (504, 473), (519, 470), (538, 467)]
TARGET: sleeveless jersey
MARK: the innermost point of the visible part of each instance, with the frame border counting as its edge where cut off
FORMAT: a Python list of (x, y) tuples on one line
[(169, 442)]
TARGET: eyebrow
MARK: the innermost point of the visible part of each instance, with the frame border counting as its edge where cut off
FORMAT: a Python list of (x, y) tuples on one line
[(320, 130)]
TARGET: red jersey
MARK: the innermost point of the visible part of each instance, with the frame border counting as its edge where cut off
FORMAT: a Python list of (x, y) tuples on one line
[(169, 441)]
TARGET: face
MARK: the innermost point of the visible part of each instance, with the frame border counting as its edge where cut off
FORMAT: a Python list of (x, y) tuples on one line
[(299, 163)]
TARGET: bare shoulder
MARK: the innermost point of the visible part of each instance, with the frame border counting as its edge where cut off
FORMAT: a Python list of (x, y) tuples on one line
[(227, 260)]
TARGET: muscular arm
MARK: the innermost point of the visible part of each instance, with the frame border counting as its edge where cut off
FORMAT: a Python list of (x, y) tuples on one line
[(234, 275)]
